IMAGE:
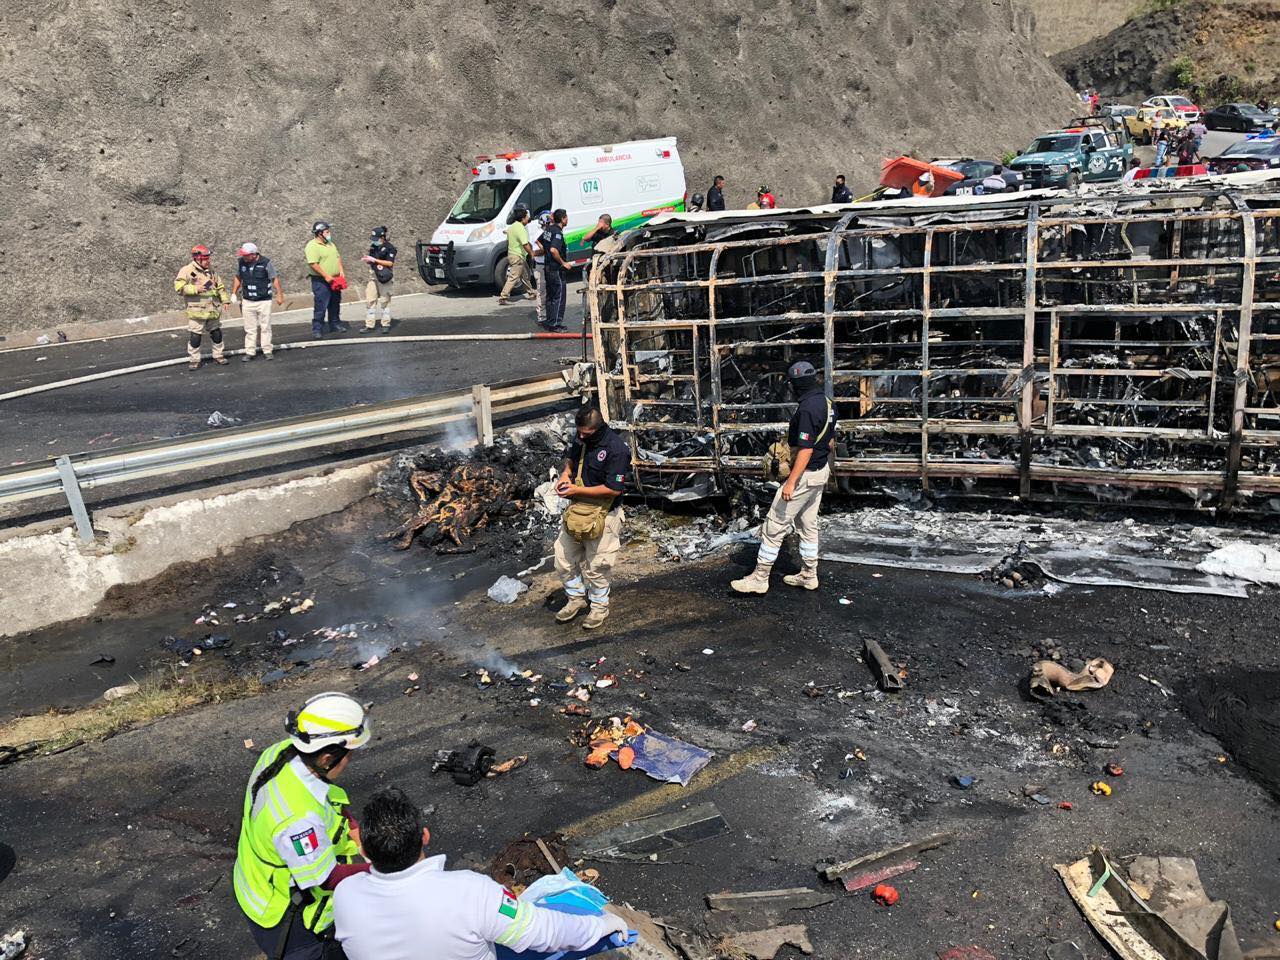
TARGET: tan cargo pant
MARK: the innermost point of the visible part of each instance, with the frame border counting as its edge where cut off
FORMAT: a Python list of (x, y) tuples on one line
[(257, 326), (377, 294), (197, 328), (542, 294), (584, 567), (517, 273), (799, 513)]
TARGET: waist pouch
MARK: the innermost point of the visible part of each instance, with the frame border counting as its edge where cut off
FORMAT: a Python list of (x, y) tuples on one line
[(586, 516)]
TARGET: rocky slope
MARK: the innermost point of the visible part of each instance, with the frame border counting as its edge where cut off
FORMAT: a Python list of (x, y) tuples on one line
[(131, 133), (1213, 50)]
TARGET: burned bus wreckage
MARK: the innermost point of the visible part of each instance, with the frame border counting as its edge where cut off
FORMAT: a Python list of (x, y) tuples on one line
[(1043, 345)]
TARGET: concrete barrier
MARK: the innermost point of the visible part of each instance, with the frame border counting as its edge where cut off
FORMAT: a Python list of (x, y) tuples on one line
[(48, 576)]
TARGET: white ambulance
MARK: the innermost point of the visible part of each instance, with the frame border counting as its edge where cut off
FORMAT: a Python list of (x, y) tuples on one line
[(632, 182)]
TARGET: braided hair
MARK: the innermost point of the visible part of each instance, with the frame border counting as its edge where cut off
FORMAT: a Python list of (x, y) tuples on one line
[(273, 768)]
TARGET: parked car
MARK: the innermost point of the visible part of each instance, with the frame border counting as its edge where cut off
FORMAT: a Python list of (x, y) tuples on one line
[(977, 171), (1260, 154), (1118, 110), (1140, 127), (1184, 107), (1242, 117), (1066, 158)]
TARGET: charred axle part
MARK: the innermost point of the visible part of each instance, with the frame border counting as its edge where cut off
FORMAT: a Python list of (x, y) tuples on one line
[(1042, 345), (468, 766)]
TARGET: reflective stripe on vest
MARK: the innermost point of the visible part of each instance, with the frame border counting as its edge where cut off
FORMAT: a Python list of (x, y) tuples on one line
[(262, 881), (254, 280)]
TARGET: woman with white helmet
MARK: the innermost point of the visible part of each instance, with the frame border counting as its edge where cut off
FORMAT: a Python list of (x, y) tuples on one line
[(294, 841)]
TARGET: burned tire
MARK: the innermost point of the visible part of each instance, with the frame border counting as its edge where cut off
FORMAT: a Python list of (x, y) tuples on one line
[(499, 273)]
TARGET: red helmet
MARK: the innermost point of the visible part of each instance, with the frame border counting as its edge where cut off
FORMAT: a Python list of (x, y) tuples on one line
[(199, 252)]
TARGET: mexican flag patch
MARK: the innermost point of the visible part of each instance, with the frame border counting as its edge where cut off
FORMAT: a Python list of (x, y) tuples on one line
[(804, 436), (508, 907), (304, 843)]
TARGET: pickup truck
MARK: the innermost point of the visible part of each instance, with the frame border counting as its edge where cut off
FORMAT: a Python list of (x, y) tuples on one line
[(1067, 158)]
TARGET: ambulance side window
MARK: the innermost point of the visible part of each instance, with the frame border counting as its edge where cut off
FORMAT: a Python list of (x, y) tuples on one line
[(536, 197)]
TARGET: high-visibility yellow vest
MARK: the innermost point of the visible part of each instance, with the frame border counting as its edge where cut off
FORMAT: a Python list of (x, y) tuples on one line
[(263, 882)]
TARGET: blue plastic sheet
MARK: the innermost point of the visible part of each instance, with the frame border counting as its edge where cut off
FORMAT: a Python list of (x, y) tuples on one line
[(565, 893), (668, 759)]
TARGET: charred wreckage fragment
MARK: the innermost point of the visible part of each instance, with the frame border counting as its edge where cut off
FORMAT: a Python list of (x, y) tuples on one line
[(1042, 345)]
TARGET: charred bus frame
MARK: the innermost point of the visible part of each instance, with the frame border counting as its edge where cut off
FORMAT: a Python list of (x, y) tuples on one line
[(1036, 345)]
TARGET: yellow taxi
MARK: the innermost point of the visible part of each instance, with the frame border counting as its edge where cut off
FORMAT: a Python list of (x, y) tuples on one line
[(1140, 125)]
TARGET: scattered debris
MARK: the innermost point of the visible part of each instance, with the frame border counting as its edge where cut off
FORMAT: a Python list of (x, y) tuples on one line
[(667, 759), (1254, 562), (855, 882), (522, 861), (220, 419), (1147, 907), (964, 782), (507, 589), (1157, 684), (13, 944), (1066, 950), (452, 506), (749, 726), (370, 663), (1114, 770), (102, 659), (886, 673), (765, 944), (124, 690), (468, 766), (707, 651), (506, 766), (1047, 677), (885, 895), (662, 831), (838, 871), (303, 607), (248, 743), (1101, 788), (736, 912), (576, 710)]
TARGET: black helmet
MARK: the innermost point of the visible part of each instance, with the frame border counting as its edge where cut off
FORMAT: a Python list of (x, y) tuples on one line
[(698, 199), (378, 233), (319, 227)]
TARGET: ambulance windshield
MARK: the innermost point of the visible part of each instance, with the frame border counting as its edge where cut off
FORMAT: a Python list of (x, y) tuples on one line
[(483, 201)]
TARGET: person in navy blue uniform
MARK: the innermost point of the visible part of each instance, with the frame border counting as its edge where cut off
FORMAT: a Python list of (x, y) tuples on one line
[(795, 505), (555, 269), (596, 470)]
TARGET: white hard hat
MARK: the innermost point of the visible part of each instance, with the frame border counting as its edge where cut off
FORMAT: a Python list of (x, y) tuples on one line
[(248, 248), (327, 720)]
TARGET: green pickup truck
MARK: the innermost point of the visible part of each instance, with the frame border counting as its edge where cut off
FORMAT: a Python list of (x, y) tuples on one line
[(1067, 158)]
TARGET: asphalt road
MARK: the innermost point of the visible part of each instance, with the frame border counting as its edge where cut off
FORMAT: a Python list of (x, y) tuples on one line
[(140, 829), (174, 401)]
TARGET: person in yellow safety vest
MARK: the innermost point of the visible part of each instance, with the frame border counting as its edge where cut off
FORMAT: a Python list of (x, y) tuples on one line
[(295, 844), (205, 297)]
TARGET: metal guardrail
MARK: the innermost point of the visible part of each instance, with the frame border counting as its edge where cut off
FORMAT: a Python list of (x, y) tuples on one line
[(475, 408)]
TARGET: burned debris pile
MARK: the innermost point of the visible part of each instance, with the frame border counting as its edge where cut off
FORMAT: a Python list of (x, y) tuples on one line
[(453, 494), (1109, 345)]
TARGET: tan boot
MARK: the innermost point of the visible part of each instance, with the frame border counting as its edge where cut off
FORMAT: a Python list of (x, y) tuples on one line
[(806, 578), (571, 609), (757, 581), (596, 617)]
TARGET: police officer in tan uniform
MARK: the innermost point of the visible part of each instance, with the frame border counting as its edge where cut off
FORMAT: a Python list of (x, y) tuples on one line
[(206, 297)]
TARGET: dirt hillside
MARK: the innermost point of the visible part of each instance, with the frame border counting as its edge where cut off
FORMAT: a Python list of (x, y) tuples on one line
[(1213, 50), (1063, 24), (131, 133)]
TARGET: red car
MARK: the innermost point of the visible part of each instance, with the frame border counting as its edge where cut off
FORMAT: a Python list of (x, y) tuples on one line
[(1187, 110)]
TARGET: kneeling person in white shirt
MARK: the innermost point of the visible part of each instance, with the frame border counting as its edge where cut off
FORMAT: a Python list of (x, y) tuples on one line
[(408, 907)]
